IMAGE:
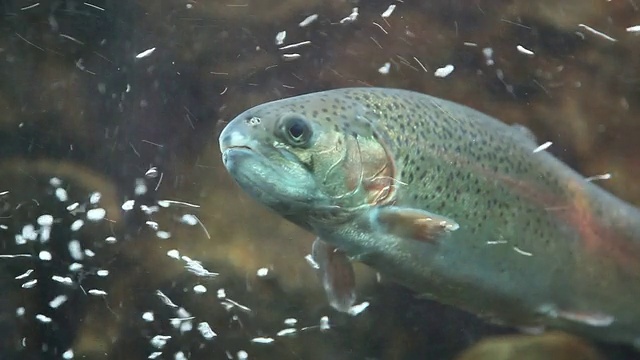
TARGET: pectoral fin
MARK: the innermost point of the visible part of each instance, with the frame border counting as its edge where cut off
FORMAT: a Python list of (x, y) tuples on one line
[(336, 273), (411, 223)]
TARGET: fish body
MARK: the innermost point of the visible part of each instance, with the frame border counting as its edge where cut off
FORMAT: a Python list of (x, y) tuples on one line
[(446, 200)]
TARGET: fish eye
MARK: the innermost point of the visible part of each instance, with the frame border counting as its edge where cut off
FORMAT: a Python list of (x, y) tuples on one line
[(296, 130)]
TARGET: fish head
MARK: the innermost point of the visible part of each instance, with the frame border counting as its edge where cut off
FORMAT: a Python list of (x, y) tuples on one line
[(311, 158)]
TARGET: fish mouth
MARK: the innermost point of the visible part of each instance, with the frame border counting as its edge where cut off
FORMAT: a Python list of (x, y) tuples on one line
[(228, 150), (237, 147), (262, 174)]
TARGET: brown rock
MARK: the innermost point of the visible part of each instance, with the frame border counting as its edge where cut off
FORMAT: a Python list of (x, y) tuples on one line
[(553, 345)]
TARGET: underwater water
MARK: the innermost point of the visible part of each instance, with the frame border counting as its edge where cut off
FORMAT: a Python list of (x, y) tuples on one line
[(123, 237)]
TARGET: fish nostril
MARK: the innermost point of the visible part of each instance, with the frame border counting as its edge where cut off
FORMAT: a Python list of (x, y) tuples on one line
[(252, 121)]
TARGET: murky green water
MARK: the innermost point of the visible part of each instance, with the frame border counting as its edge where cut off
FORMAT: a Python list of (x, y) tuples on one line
[(121, 235)]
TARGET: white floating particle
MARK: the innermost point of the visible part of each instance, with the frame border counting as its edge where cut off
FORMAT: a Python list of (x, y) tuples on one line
[(290, 321), (152, 224), (110, 239), (20, 311), (152, 173), (159, 341), (280, 37), (24, 275), (221, 294), (165, 299), (384, 69), (44, 255), (634, 29), (298, 44), (163, 234), (45, 234), (102, 272), (73, 206), (357, 309), (95, 197), (20, 240), (150, 209), (596, 32), (173, 253), (75, 250), (145, 53), (308, 20), (524, 50), (166, 203), (262, 272), (444, 71), (183, 324), (242, 355), (195, 267), (75, 267), (140, 188), (186, 326), (148, 316), (67, 355), (229, 304), (199, 289), (312, 262), (496, 242), (206, 331), (55, 182), (468, 43), (62, 279), (3, 227), (606, 176), (43, 319), (292, 56), (96, 214), (89, 253), (262, 340), (183, 314), (352, 17), (13, 256), (155, 355), (77, 225), (488, 55), (61, 194), (542, 147), (57, 301), (179, 356), (287, 332), (29, 232), (522, 252), (97, 292), (324, 323), (389, 11), (128, 205), (30, 284), (3, 193), (176, 323), (45, 220), (189, 219)]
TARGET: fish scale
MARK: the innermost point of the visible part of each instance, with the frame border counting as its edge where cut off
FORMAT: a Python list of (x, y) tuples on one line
[(448, 201)]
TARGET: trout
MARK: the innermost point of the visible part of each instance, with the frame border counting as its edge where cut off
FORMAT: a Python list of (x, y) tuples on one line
[(452, 203)]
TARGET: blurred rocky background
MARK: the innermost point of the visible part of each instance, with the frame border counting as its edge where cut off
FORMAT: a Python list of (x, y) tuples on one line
[(115, 210)]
